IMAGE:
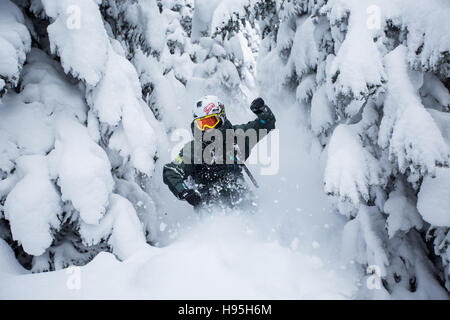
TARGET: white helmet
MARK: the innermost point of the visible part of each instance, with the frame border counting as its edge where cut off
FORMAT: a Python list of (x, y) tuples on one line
[(208, 105)]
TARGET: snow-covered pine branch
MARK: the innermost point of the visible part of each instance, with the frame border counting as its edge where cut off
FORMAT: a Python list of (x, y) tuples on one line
[(88, 140), (15, 43)]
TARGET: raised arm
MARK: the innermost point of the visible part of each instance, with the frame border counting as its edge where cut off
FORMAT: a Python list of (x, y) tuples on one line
[(265, 117), (262, 125)]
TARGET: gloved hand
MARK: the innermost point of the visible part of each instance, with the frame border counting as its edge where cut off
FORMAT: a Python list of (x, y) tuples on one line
[(257, 106), (191, 196)]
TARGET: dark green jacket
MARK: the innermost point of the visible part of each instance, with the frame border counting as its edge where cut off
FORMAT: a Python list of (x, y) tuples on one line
[(222, 172)]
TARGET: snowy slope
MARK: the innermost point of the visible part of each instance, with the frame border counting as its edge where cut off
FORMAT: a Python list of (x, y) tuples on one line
[(290, 249)]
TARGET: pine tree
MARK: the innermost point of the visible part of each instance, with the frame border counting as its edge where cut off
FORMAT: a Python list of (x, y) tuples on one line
[(86, 178), (376, 100)]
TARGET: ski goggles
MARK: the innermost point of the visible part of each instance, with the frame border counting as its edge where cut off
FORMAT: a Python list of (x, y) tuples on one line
[(207, 122)]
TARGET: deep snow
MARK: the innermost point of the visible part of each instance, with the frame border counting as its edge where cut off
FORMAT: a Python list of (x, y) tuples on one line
[(290, 249)]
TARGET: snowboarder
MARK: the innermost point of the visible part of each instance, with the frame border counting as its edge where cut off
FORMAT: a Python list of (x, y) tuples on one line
[(217, 181)]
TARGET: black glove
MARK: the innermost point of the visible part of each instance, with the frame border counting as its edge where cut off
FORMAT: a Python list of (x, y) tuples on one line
[(192, 196), (257, 106)]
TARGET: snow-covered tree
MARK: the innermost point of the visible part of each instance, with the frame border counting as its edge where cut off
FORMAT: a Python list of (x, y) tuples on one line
[(79, 143), (89, 91), (15, 41), (372, 78)]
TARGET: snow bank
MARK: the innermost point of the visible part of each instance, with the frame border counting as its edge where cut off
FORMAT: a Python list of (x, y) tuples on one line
[(224, 258), (218, 259)]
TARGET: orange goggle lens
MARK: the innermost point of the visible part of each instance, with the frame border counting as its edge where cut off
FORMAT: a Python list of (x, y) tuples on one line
[(207, 122)]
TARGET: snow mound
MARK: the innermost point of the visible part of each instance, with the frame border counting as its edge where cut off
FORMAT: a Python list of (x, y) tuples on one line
[(222, 254), (217, 259)]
